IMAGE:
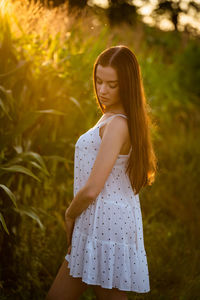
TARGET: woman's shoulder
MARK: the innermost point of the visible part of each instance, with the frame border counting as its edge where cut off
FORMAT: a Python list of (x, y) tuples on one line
[(116, 124)]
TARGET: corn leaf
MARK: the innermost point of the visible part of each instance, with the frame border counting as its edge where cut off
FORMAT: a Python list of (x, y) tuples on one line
[(4, 223), (30, 213), (20, 169), (9, 193)]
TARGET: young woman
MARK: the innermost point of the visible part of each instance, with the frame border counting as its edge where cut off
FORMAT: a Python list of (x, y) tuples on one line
[(113, 161)]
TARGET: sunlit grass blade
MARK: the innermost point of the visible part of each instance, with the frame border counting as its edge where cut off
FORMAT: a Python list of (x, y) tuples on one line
[(25, 123), (9, 193), (75, 102), (20, 65), (6, 101), (3, 223), (31, 117), (20, 169), (28, 211), (36, 165), (58, 158), (5, 109), (29, 156), (50, 111)]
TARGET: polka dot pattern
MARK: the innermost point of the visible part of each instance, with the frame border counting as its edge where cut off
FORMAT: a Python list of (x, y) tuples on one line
[(107, 241)]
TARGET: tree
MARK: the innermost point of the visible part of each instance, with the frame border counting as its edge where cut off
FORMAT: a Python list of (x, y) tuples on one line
[(72, 4), (121, 11), (173, 10)]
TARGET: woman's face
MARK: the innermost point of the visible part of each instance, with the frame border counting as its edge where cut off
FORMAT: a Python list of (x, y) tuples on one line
[(107, 86)]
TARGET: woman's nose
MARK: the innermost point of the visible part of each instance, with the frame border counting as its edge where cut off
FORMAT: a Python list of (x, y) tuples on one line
[(103, 88)]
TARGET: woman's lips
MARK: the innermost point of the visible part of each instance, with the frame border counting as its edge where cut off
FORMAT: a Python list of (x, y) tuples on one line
[(103, 98)]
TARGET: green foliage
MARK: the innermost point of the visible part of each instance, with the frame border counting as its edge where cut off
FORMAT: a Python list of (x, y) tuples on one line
[(46, 102)]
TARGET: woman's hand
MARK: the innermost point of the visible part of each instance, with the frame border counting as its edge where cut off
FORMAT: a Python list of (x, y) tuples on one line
[(69, 226)]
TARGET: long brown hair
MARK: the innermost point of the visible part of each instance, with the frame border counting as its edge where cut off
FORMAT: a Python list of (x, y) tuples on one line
[(142, 162)]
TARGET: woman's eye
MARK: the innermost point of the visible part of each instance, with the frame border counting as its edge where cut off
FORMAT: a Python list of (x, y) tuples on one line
[(111, 86), (98, 82)]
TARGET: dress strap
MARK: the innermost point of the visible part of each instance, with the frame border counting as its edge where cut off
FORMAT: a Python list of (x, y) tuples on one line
[(103, 122), (110, 117)]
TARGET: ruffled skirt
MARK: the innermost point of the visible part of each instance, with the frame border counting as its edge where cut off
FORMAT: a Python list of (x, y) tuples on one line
[(108, 249)]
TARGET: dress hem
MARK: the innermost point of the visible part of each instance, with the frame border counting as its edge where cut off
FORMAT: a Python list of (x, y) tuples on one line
[(105, 287)]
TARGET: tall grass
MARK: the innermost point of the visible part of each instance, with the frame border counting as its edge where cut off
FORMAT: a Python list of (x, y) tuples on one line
[(47, 101)]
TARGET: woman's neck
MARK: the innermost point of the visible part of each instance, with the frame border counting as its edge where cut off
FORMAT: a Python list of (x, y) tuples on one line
[(117, 109), (114, 112)]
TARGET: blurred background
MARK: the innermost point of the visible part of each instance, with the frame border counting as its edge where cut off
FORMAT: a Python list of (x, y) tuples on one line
[(47, 52)]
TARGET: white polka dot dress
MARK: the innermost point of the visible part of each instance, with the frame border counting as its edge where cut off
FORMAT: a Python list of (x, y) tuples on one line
[(107, 240)]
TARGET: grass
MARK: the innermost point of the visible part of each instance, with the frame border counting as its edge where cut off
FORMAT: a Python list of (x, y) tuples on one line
[(47, 102)]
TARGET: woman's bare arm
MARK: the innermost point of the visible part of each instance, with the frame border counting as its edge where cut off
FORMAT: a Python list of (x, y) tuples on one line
[(115, 135)]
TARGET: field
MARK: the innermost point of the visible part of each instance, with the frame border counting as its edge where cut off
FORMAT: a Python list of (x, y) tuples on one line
[(47, 101)]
